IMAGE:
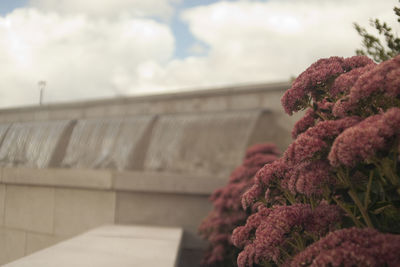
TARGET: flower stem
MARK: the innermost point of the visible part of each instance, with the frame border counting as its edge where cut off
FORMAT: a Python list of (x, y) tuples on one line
[(368, 192), (349, 213), (299, 241), (364, 213)]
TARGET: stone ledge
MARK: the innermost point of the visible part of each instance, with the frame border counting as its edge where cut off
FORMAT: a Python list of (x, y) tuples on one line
[(112, 246), (139, 232), (166, 183), (113, 180), (94, 179), (157, 96)]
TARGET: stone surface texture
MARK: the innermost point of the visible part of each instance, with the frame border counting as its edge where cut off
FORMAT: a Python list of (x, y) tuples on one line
[(76, 211), (2, 203), (162, 209), (30, 208), (12, 244), (122, 246), (200, 143)]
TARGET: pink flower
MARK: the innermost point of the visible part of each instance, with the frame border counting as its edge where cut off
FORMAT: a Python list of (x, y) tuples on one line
[(311, 178), (274, 228), (351, 247), (315, 139), (227, 212), (256, 162), (251, 195), (267, 149), (362, 141), (304, 148), (357, 62), (323, 219), (242, 234), (326, 130), (238, 174), (304, 123), (324, 106), (295, 171), (344, 82), (264, 178), (229, 197), (316, 76), (383, 79), (247, 256)]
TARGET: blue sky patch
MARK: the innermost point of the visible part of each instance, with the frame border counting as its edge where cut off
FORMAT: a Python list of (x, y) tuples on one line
[(183, 37), (8, 6)]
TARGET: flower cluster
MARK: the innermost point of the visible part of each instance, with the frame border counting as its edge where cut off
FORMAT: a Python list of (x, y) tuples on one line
[(278, 228), (376, 88), (340, 171), (316, 77), (317, 139), (266, 177), (351, 247), (343, 84), (304, 123), (303, 168), (227, 213), (364, 140)]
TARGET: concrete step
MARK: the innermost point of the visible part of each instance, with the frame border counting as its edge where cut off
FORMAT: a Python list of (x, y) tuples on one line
[(112, 245)]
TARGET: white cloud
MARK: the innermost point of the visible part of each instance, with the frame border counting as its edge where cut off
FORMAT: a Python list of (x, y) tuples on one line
[(197, 48), (254, 41), (77, 56), (86, 54), (251, 41), (109, 8)]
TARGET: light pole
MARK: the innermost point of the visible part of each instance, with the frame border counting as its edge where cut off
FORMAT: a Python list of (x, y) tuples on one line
[(42, 85)]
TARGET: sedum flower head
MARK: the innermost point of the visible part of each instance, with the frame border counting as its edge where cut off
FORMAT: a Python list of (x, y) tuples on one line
[(364, 140), (343, 84), (316, 138), (274, 227), (380, 80), (316, 77), (227, 212), (351, 247)]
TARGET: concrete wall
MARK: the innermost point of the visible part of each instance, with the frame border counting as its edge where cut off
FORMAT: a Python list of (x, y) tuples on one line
[(221, 99), (39, 207), (34, 216)]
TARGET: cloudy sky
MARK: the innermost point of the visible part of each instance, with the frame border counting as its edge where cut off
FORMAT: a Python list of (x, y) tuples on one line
[(87, 49)]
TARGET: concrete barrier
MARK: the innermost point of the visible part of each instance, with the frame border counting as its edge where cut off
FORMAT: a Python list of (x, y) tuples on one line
[(153, 160), (40, 207), (106, 142), (113, 245)]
